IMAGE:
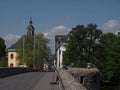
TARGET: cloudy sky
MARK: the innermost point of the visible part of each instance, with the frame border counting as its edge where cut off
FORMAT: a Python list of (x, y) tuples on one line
[(53, 17)]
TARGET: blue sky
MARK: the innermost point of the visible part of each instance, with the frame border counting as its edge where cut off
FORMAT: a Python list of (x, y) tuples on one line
[(53, 17)]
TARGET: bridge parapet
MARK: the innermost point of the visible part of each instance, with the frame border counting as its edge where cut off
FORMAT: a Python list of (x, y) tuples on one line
[(6, 71), (88, 77), (80, 79), (69, 82)]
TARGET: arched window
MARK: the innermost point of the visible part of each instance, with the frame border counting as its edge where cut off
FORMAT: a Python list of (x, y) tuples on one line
[(12, 56), (11, 65)]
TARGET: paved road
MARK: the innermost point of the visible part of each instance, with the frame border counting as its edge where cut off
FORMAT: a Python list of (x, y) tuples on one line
[(29, 81)]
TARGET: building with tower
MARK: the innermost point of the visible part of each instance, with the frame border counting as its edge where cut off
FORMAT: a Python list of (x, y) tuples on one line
[(12, 54)]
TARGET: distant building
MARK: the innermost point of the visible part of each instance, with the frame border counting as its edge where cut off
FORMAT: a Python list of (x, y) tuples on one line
[(12, 57), (12, 54), (59, 49)]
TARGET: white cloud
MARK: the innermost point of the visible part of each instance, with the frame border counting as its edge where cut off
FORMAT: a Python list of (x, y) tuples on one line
[(10, 39), (111, 24), (117, 32), (46, 34), (57, 30), (60, 30)]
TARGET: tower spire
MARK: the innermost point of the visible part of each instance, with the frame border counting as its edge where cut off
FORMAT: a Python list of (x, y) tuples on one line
[(30, 28), (30, 22)]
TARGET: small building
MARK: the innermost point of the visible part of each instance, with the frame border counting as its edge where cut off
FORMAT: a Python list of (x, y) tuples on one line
[(13, 61), (12, 57)]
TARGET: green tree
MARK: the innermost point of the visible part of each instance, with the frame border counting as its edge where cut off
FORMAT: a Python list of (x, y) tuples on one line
[(110, 63), (25, 50), (83, 45), (2, 47), (3, 60), (35, 49), (42, 51)]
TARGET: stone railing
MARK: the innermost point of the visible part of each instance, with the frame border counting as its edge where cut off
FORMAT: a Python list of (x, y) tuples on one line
[(68, 81), (4, 72), (79, 79), (88, 77)]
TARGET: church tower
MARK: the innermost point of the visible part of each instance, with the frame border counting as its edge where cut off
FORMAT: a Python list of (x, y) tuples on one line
[(30, 28)]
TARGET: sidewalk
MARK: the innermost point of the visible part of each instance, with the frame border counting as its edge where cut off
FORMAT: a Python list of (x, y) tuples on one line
[(47, 82)]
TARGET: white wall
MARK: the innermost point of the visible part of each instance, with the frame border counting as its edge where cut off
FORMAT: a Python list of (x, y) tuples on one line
[(60, 51)]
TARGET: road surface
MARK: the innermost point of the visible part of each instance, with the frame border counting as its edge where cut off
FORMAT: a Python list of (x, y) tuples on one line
[(30, 81)]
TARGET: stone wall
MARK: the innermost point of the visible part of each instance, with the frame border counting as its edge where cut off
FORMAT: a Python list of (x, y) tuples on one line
[(4, 72), (69, 82), (90, 78)]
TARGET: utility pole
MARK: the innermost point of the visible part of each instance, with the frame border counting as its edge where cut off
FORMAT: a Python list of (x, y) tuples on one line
[(23, 47), (24, 43), (34, 52)]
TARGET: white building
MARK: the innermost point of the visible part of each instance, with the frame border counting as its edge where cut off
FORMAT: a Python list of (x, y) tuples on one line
[(60, 52), (60, 48)]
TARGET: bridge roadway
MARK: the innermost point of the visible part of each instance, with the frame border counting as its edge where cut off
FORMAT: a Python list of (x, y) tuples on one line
[(30, 81)]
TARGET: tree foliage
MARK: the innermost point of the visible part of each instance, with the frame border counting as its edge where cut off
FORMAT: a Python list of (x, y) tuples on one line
[(110, 63), (89, 44), (3, 60), (83, 45), (2, 47), (33, 49)]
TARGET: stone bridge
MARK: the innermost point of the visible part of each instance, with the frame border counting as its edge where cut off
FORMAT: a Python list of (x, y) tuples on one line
[(71, 79)]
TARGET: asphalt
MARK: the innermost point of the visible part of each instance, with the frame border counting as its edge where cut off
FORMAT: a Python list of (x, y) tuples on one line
[(30, 81), (47, 82)]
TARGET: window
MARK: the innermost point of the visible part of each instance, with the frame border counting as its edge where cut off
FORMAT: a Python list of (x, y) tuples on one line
[(12, 56), (11, 65)]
